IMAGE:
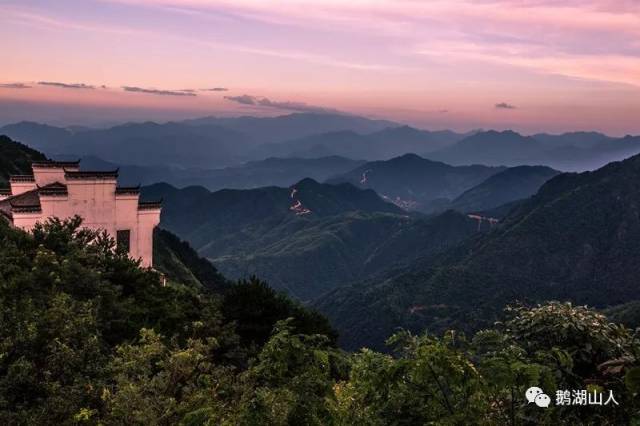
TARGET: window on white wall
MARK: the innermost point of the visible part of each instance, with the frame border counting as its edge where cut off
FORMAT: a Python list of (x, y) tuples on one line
[(123, 240)]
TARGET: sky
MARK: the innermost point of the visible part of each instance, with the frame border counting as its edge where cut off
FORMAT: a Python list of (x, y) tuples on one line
[(527, 65)]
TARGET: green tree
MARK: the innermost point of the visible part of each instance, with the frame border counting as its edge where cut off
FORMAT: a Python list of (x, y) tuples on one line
[(430, 380), (153, 383), (256, 308), (87, 336), (291, 381)]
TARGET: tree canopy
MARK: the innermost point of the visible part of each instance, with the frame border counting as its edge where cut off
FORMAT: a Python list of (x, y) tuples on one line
[(89, 337)]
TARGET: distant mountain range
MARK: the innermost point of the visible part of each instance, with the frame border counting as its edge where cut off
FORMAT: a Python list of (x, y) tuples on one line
[(569, 152), (269, 172), (576, 239), (416, 183), (206, 143), (211, 142), (143, 144), (411, 182), (574, 139), (293, 126), (385, 144)]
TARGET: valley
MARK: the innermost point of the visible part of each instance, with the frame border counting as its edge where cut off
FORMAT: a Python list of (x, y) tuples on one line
[(312, 212), (379, 225)]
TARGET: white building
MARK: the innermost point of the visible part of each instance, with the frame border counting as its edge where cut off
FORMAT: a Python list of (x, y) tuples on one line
[(60, 189)]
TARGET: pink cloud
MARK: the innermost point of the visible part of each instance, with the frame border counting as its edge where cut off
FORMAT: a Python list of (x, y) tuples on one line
[(558, 37), (413, 57)]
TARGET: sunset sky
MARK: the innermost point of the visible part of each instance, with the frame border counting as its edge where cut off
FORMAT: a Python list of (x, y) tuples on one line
[(529, 65)]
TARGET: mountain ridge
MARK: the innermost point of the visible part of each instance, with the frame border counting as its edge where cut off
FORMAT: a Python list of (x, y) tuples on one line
[(417, 183), (512, 184), (576, 239), (573, 151), (307, 238)]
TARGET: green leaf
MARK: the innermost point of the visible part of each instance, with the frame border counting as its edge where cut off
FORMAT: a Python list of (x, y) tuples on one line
[(632, 379)]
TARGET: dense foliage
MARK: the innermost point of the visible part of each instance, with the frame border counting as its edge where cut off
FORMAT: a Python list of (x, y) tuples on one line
[(69, 305), (88, 337)]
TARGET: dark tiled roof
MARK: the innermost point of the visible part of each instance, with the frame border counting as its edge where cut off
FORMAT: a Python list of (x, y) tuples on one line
[(128, 190), (30, 201), (5, 191), (56, 164), (26, 199), (53, 189), (22, 178), (26, 202), (149, 205), (26, 209), (91, 175)]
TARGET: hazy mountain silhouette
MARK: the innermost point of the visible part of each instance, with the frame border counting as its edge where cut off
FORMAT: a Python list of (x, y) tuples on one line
[(138, 143), (491, 148), (512, 184), (293, 126), (212, 142), (344, 143), (406, 139), (384, 144), (576, 139), (568, 152), (253, 174), (416, 183), (207, 143), (38, 136)]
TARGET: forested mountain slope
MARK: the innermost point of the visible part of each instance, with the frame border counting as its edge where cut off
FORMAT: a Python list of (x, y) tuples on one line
[(204, 218), (89, 337), (15, 159), (416, 183), (306, 239), (181, 264), (577, 239), (310, 259), (512, 184)]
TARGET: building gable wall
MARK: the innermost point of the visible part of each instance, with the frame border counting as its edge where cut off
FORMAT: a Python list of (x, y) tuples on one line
[(97, 202)]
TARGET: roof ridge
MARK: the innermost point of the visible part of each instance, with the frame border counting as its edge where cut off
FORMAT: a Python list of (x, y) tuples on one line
[(144, 205), (22, 178), (55, 163), (79, 174), (49, 185)]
